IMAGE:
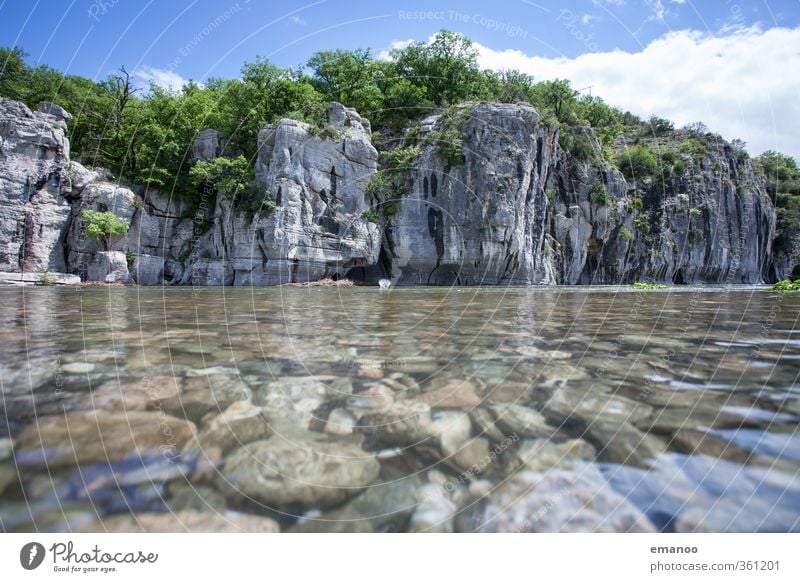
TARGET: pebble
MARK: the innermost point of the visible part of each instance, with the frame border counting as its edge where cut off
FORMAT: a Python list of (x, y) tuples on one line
[(78, 367)]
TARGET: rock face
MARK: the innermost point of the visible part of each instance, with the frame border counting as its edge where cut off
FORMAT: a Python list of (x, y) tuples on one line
[(317, 183), (34, 184), (483, 221), (493, 196), (519, 208)]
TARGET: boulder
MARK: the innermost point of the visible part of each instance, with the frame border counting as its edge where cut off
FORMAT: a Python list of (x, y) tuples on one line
[(109, 267), (100, 436), (297, 470), (148, 270)]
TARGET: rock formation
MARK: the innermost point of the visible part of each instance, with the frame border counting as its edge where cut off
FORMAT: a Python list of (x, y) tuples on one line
[(505, 201)]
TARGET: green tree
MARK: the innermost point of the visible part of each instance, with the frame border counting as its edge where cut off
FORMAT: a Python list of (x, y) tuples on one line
[(348, 77), (103, 226), (264, 94), (606, 121), (447, 67), (783, 186), (559, 97), (13, 73)]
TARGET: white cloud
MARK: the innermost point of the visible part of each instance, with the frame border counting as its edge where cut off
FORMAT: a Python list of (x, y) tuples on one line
[(741, 84), (161, 77), (297, 20), (385, 54), (659, 12)]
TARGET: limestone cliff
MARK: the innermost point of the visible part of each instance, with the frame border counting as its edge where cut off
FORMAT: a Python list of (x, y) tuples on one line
[(517, 207), (490, 194)]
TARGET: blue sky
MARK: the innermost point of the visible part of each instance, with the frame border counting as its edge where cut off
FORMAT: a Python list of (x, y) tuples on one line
[(686, 59)]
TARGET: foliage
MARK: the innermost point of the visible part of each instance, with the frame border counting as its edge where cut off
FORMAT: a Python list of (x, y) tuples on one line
[(783, 186), (46, 280), (637, 163), (787, 285), (579, 145), (636, 203), (626, 233), (642, 222), (227, 175), (349, 77), (371, 214), (640, 285), (263, 205), (660, 126), (378, 186), (695, 147), (447, 67), (103, 225), (598, 192)]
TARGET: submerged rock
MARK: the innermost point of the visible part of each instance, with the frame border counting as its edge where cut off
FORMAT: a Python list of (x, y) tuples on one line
[(576, 500), (100, 436), (309, 471), (435, 510), (454, 394), (206, 394), (190, 521)]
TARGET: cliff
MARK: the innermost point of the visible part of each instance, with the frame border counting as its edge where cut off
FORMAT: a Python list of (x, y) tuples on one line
[(477, 194)]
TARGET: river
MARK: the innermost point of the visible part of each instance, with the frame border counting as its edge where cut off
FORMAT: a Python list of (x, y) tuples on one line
[(407, 409)]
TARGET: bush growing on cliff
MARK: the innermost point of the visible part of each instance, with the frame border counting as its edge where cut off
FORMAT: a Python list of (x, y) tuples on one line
[(598, 193), (103, 225), (226, 175), (637, 163)]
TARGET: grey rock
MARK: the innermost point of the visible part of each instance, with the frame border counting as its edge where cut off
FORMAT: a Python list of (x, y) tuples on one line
[(516, 419), (577, 500), (109, 267), (207, 145), (237, 425), (406, 423), (434, 512), (34, 210), (211, 393), (185, 521), (542, 454), (6, 448), (148, 270), (100, 436), (57, 113), (514, 207), (306, 470), (484, 221), (46, 278), (317, 230)]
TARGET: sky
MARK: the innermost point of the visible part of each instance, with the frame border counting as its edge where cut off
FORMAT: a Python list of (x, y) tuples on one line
[(732, 64)]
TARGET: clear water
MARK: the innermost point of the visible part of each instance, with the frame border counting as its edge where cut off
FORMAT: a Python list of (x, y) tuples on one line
[(674, 365)]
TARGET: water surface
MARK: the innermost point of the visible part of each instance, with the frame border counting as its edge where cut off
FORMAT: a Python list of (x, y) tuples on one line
[(423, 409)]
